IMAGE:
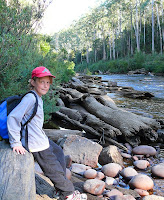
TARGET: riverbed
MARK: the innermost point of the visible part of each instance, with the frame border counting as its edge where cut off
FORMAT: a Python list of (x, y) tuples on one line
[(153, 107)]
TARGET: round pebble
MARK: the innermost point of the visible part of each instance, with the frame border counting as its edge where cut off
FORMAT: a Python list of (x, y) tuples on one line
[(79, 168), (135, 158), (142, 193), (144, 150), (153, 197), (141, 164), (113, 193), (90, 173), (94, 186), (128, 173), (141, 181), (100, 175), (128, 197), (111, 169), (158, 170), (126, 155), (110, 181)]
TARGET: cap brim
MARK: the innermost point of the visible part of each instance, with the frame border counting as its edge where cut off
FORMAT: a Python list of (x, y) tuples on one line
[(43, 75)]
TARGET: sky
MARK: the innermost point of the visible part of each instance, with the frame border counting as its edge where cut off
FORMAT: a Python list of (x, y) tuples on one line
[(61, 13)]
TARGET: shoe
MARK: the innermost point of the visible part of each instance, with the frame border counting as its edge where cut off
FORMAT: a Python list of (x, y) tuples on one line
[(57, 194), (77, 196)]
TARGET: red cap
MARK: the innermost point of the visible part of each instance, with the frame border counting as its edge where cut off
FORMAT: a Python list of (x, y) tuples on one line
[(41, 72)]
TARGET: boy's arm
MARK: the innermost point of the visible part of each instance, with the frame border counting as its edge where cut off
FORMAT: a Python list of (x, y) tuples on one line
[(14, 122)]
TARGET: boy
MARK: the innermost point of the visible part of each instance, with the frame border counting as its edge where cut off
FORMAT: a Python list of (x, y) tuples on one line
[(49, 155)]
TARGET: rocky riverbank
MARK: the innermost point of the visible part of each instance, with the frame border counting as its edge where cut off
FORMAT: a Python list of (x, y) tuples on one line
[(102, 147)]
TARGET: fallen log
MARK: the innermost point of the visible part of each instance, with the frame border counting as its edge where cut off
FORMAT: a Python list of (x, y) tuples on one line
[(128, 123), (86, 128), (96, 123)]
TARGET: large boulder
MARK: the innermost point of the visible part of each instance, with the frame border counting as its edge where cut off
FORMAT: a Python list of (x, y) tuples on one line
[(82, 150), (16, 174)]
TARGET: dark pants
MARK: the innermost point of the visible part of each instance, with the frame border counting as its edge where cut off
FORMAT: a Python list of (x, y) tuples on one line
[(52, 162)]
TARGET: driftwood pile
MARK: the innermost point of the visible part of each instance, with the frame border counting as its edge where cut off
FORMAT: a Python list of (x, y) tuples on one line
[(85, 106)]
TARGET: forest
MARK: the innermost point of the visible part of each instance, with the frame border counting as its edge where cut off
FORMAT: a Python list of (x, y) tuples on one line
[(117, 36)]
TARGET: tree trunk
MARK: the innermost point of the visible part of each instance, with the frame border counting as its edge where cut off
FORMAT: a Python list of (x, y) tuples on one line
[(131, 44), (159, 26), (162, 25), (87, 55), (95, 55), (144, 29), (114, 53), (110, 47), (137, 28), (152, 26), (104, 51)]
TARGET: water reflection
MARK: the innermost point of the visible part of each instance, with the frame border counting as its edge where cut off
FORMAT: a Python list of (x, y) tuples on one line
[(153, 84), (147, 107)]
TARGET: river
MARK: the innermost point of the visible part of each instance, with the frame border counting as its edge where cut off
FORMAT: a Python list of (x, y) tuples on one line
[(153, 107)]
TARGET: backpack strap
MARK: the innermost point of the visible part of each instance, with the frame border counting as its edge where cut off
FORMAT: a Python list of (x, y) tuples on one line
[(35, 108), (25, 124)]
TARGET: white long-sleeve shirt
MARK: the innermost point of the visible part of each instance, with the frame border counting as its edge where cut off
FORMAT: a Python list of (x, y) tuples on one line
[(37, 139)]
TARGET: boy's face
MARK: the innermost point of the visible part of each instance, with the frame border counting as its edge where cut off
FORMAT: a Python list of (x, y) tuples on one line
[(42, 85)]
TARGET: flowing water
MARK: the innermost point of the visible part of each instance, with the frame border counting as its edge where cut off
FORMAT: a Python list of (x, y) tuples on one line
[(153, 107)]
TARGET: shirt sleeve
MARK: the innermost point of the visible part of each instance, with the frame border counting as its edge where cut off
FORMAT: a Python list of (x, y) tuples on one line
[(15, 118)]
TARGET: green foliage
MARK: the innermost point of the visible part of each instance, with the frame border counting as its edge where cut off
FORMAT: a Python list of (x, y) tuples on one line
[(21, 51), (44, 47), (153, 63)]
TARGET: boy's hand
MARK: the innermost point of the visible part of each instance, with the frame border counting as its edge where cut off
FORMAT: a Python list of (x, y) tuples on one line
[(19, 150)]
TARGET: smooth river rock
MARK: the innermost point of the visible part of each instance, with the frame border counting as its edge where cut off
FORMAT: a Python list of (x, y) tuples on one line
[(144, 150), (110, 181), (153, 197), (94, 186), (142, 193), (158, 170), (113, 194), (111, 169), (141, 164), (141, 181), (128, 173), (90, 173), (79, 168)]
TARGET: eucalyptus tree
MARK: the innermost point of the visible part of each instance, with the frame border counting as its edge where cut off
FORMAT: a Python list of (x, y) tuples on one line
[(152, 3), (159, 25)]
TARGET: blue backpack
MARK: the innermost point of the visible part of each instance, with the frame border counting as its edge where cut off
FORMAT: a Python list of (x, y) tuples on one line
[(6, 106)]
